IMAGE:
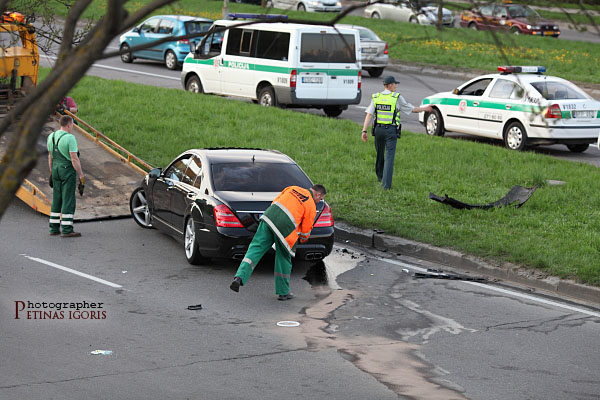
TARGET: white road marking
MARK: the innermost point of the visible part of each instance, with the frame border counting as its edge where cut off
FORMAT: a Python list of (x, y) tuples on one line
[(131, 71), (502, 290), (51, 264)]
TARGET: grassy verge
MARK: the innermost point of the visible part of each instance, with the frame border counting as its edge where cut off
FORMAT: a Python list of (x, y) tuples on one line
[(557, 231)]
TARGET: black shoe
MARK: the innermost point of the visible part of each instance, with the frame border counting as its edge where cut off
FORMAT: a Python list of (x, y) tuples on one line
[(284, 297), (235, 285)]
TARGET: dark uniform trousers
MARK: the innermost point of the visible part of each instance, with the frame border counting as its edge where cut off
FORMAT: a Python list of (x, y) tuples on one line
[(385, 147)]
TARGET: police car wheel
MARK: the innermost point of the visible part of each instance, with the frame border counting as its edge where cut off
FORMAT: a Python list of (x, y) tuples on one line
[(578, 148), (138, 206), (126, 57), (192, 254), (515, 137), (193, 85), (434, 124), (266, 97), (171, 60)]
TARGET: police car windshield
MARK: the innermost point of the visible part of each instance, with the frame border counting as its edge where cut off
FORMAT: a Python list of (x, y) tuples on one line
[(559, 91), (257, 177)]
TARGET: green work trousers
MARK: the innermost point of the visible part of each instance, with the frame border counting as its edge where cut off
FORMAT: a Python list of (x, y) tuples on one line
[(261, 243), (64, 180)]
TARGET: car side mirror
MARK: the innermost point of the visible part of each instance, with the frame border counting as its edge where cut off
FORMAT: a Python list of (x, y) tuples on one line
[(155, 173), (455, 91), (137, 29), (192, 47)]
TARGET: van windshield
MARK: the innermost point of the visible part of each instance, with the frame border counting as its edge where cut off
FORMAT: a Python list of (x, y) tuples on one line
[(327, 48)]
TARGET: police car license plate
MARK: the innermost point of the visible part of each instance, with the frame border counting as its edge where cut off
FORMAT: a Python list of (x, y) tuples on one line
[(583, 114), (312, 79)]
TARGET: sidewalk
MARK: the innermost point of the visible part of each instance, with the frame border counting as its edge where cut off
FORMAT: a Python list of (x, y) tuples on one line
[(533, 279)]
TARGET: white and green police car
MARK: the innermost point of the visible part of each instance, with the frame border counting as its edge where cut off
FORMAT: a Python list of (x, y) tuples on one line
[(293, 65), (520, 106)]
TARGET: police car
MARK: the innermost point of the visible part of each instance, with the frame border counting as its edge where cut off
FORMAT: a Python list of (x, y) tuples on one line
[(521, 106)]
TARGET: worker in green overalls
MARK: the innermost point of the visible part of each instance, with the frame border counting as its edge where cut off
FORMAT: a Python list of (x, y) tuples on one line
[(63, 161)]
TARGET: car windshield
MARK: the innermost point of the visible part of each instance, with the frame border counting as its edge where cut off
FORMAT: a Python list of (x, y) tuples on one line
[(522, 12), (192, 27), (257, 177), (552, 90)]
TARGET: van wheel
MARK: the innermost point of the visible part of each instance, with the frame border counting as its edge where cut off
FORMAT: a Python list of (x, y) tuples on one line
[(301, 7), (266, 97), (375, 72), (193, 85), (578, 148), (171, 60), (126, 57), (515, 136), (375, 15), (333, 111)]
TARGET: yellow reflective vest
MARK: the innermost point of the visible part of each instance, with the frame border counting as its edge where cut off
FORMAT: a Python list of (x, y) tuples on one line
[(385, 109)]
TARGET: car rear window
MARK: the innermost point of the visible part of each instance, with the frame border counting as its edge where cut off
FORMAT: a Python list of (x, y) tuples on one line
[(192, 27), (366, 34), (327, 48), (257, 177), (558, 90)]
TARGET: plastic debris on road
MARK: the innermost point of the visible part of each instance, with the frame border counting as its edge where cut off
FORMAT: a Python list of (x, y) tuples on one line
[(517, 194), (101, 352), (195, 307), (288, 324)]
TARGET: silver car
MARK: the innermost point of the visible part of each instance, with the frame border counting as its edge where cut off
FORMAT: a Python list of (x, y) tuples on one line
[(416, 12), (306, 5), (373, 50)]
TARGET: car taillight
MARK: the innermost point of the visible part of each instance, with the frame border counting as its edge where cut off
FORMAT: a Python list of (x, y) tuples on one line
[(553, 112), (386, 50), (325, 219), (293, 77), (184, 41), (359, 79), (225, 218)]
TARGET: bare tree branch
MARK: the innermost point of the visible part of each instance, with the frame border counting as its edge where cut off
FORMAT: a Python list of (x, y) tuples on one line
[(70, 25)]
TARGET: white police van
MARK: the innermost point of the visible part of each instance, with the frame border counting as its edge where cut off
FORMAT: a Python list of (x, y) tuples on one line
[(521, 106), (292, 65)]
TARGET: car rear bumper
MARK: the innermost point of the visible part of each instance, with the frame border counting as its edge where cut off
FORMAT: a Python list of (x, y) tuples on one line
[(377, 62), (287, 96)]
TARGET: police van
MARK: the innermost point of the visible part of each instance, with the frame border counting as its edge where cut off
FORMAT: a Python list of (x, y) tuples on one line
[(292, 65)]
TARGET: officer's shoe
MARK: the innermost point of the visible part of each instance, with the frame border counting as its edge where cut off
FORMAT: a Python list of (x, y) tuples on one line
[(284, 297), (71, 234), (235, 285)]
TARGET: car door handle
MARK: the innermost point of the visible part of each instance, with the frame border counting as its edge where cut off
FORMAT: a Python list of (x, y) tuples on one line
[(169, 188), (475, 103), (508, 106)]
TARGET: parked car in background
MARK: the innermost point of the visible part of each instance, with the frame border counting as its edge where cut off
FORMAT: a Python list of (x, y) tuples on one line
[(416, 12), (521, 106), (515, 18), (374, 54), (211, 200), (306, 5), (159, 27)]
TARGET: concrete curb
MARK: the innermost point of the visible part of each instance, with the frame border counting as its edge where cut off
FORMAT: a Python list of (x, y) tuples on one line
[(510, 272)]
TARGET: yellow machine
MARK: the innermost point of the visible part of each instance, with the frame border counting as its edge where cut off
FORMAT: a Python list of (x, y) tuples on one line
[(19, 56)]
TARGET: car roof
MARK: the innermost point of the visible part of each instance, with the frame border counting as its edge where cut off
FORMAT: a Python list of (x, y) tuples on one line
[(522, 77), (183, 18), (230, 154)]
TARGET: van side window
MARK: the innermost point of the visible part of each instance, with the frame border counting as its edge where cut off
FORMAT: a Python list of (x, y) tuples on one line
[(233, 42), (246, 42), (273, 45), (325, 48)]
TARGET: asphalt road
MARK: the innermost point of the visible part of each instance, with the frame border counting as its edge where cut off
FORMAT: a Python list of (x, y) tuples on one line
[(379, 335)]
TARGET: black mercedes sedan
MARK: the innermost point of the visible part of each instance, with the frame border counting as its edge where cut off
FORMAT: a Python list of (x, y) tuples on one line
[(211, 200)]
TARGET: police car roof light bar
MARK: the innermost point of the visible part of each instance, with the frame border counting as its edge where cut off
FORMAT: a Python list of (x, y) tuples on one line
[(257, 16), (524, 69)]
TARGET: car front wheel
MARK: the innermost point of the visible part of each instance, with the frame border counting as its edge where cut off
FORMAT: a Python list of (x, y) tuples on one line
[(578, 148), (126, 57), (413, 20), (301, 7), (138, 205), (192, 254), (434, 124), (515, 31), (473, 26), (515, 137), (171, 60), (193, 85), (375, 15)]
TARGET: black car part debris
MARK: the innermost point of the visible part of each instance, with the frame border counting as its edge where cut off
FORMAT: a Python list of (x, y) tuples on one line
[(439, 274), (517, 193), (195, 307)]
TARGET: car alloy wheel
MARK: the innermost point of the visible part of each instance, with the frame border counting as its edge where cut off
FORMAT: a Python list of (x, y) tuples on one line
[(434, 125), (138, 205), (171, 60), (515, 137)]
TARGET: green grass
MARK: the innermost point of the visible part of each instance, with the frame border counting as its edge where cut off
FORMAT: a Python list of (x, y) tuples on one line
[(557, 230)]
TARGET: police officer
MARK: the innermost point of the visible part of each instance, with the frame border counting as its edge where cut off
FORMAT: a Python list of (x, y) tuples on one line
[(288, 219), (63, 161), (386, 107)]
